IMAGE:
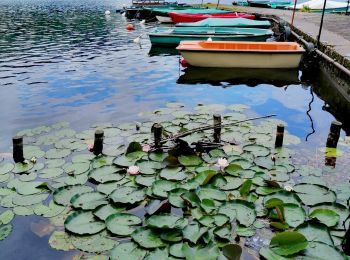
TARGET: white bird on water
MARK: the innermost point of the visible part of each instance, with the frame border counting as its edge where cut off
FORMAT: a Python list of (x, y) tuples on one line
[(137, 40), (107, 12)]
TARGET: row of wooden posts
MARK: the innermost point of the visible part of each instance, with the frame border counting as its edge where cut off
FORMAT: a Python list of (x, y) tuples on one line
[(332, 139)]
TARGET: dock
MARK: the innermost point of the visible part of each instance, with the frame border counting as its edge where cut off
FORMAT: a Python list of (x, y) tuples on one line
[(335, 36)]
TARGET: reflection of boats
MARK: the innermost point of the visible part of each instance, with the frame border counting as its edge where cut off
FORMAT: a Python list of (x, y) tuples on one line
[(222, 22), (241, 54), (250, 77), (162, 51), (174, 35), (191, 18)]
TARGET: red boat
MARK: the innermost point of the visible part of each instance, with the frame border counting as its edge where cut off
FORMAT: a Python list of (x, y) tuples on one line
[(191, 18)]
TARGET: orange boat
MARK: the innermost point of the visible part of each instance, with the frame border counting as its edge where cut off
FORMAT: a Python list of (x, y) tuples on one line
[(222, 54)]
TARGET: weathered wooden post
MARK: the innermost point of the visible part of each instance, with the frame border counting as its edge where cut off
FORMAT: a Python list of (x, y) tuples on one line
[(279, 136), (217, 128), (332, 142), (98, 142), (334, 133), (157, 131), (17, 143)]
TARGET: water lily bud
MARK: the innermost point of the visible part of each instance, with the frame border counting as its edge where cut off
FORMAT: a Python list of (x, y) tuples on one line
[(33, 159), (133, 170), (146, 148), (222, 163), (288, 188)]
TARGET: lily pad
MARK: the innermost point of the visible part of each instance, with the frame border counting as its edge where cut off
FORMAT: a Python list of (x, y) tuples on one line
[(242, 210), (93, 244), (315, 232), (166, 221), (104, 211), (106, 174), (294, 214), (127, 195), (83, 223), (121, 224), (210, 252), (147, 238), (128, 250), (6, 168), (64, 194), (161, 188), (288, 243), (325, 216), (312, 194), (60, 240), (57, 153), (88, 200), (6, 217), (190, 160)]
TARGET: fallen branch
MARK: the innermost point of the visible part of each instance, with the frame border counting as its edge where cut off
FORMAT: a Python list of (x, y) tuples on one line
[(204, 128)]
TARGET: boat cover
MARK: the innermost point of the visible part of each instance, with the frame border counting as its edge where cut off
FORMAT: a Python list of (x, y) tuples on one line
[(224, 22)]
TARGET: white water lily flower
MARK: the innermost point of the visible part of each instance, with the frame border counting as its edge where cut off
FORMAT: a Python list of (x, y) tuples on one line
[(133, 170), (222, 163), (288, 188), (146, 148)]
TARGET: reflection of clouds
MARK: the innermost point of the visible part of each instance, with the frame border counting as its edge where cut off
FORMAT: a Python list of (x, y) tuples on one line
[(294, 97), (256, 96)]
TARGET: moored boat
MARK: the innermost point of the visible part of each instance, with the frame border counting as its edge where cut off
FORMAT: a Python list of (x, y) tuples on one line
[(317, 6), (174, 35), (164, 19), (241, 54), (191, 18), (223, 22)]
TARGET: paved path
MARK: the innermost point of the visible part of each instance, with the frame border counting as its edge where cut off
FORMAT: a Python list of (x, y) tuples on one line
[(336, 28)]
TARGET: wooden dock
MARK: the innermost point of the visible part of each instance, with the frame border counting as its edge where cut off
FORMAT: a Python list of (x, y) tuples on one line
[(335, 35)]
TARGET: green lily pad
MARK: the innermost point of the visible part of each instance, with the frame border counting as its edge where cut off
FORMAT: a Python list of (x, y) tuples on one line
[(288, 243), (158, 254), (88, 200), (171, 235), (22, 167), (257, 150), (76, 168), (166, 221), (232, 183), (294, 215), (83, 223), (5, 230), (6, 168), (6, 217), (245, 231), (83, 158), (26, 200), (315, 232), (109, 187), (190, 160), (121, 224), (93, 244), (148, 167), (157, 156), (161, 188), (127, 195), (174, 174), (128, 250), (146, 181), (51, 173), (57, 153), (175, 198), (104, 211), (207, 193), (106, 174), (147, 238), (176, 250), (193, 231), (64, 194), (60, 240), (312, 194), (23, 211), (233, 169), (325, 216), (210, 252), (340, 209), (242, 210), (49, 211), (317, 250)]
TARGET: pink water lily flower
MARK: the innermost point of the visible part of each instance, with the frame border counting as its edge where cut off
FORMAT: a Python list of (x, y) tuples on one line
[(90, 147), (222, 163), (133, 170), (146, 148)]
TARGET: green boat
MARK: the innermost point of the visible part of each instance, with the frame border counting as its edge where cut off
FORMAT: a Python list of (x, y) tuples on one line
[(172, 36), (223, 22)]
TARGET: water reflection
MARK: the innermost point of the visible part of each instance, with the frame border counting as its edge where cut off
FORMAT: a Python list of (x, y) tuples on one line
[(249, 77)]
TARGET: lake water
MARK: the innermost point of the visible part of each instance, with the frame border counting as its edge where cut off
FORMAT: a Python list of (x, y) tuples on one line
[(66, 61)]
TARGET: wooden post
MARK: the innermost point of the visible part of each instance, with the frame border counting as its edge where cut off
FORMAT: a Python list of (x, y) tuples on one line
[(17, 142), (334, 133), (217, 128), (157, 131), (279, 136), (98, 142)]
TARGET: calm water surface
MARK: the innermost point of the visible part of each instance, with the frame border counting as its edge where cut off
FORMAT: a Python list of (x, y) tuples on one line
[(66, 61)]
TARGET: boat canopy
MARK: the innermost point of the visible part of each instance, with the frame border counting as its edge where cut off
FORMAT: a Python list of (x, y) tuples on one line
[(223, 22), (318, 4)]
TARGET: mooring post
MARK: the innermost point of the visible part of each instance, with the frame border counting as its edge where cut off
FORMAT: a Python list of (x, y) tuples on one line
[(157, 131), (217, 128), (17, 142), (98, 142), (334, 133), (279, 136)]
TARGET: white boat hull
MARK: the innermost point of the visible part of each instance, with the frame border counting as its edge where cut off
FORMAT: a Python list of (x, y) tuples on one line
[(164, 19), (242, 59)]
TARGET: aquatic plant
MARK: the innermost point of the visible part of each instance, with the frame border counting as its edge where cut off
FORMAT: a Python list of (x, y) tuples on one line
[(193, 198)]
